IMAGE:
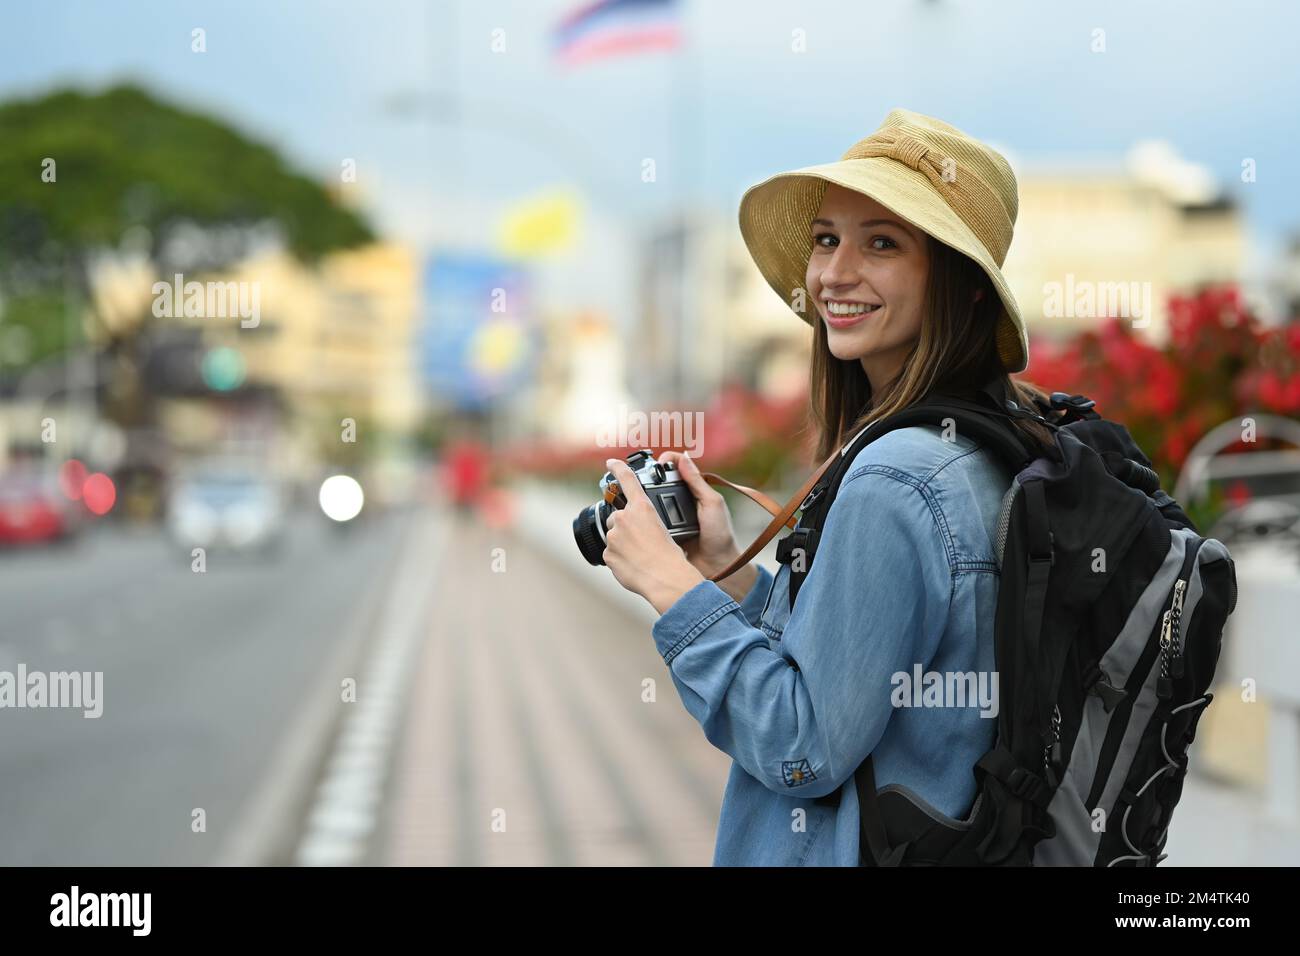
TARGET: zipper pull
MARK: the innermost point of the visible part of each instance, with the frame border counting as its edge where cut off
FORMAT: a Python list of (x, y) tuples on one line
[(1052, 754), (1175, 619), (1165, 686)]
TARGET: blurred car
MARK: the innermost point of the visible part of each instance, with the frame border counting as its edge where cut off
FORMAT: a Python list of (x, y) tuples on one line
[(32, 509), (224, 507)]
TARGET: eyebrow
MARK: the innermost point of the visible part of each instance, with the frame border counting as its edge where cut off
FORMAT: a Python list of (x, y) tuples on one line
[(864, 224)]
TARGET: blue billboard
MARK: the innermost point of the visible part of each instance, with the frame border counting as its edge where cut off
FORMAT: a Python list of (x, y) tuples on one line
[(477, 340)]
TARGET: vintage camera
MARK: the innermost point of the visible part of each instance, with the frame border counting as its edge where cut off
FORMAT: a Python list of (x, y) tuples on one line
[(664, 487)]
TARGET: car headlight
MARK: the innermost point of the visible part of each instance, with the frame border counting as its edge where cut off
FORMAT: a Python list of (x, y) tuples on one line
[(244, 524), (194, 522)]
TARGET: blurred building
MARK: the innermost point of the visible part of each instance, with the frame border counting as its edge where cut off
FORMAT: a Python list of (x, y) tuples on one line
[(707, 316), (335, 340), (326, 342), (1132, 232), (582, 375)]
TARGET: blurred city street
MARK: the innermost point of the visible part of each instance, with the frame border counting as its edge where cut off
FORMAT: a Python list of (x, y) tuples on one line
[(527, 698), (318, 328), (228, 656), (520, 731)]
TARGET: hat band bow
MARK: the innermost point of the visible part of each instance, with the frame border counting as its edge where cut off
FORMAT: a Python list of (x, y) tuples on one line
[(897, 146), (972, 199)]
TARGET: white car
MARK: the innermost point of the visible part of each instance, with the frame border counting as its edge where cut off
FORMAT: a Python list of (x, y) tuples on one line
[(227, 508)]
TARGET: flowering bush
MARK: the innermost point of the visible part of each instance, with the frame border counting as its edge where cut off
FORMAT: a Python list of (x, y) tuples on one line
[(747, 437), (1219, 363)]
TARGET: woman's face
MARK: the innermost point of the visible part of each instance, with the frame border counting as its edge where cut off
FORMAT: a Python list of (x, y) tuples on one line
[(867, 274)]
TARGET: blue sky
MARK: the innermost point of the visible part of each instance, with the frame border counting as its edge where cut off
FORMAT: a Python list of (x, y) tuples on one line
[(318, 79)]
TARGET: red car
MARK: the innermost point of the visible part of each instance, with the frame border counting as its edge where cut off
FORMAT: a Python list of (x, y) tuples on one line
[(32, 510)]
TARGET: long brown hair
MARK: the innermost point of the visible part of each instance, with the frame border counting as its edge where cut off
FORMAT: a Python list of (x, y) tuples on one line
[(957, 348)]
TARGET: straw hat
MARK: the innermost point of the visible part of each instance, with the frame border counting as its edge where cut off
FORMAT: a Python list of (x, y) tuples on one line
[(933, 175)]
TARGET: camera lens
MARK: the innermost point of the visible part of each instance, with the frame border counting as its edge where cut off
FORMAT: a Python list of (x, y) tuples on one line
[(589, 532)]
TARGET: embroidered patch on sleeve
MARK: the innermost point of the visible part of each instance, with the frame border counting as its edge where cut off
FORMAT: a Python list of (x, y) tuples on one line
[(796, 772)]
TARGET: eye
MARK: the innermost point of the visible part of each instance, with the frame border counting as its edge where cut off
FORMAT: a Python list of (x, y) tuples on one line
[(890, 243), (818, 237)]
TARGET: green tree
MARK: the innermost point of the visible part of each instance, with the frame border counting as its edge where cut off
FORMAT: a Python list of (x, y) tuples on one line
[(85, 172)]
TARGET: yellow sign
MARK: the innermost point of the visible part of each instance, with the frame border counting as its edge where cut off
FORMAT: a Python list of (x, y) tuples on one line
[(545, 224)]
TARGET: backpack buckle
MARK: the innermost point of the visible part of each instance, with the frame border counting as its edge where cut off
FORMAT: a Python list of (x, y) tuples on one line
[(1109, 694), (799, 539), (1081, 403), (812, 496), (1020, 411), (1028, 786)]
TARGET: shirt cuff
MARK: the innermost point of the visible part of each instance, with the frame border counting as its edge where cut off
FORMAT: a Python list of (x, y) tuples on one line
[(688, 616)]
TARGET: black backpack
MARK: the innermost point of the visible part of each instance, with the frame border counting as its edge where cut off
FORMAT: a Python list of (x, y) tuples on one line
[(1110, 615)]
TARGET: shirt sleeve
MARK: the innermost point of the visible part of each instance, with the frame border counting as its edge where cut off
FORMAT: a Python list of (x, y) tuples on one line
[(875, 603), (754, 602)]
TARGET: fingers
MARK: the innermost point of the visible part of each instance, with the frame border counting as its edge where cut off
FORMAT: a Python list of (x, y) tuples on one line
[(690, 473), (626, 480)]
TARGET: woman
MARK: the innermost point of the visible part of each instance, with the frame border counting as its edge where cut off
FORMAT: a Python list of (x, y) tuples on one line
[(894, 256)]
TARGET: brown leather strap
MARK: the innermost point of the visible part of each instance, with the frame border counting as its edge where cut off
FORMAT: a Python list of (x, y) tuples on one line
[(784, 516), (763, 501)]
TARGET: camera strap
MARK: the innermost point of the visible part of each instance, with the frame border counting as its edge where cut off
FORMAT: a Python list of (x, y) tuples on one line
[(784, 515), (992, 394)]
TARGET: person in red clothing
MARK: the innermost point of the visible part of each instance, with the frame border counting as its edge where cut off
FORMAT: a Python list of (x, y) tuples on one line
[(465, 464)]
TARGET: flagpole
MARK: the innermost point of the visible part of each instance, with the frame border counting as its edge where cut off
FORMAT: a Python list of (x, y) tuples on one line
[(682, 113)]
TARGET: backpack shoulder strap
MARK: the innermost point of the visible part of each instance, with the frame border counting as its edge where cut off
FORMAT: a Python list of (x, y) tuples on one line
[(972, 416)]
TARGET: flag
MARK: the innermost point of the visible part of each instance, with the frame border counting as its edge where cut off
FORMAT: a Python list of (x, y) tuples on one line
[(613, 27)]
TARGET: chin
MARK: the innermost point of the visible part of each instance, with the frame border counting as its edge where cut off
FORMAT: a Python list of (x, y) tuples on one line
[(845, 349)]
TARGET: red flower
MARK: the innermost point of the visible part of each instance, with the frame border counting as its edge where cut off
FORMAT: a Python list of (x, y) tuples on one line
[(1237, 493)]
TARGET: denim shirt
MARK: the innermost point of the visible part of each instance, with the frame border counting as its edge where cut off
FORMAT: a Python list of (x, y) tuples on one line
[(904, 583)]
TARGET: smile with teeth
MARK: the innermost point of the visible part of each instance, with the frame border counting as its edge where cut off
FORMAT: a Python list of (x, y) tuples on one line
[(849, 308)]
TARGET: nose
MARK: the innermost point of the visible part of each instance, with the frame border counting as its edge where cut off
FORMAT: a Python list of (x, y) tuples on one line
[(841, 271)]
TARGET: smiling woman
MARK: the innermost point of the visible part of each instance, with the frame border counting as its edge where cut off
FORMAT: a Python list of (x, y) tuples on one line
[(893, 255), (866, 273)]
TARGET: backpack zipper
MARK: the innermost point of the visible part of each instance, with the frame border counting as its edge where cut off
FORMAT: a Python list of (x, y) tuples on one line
[(1166, 642), (1052, 752), (1171, 658)]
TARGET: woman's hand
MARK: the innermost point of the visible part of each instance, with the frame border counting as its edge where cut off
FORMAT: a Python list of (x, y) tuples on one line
[(638, 549), (715, 547)]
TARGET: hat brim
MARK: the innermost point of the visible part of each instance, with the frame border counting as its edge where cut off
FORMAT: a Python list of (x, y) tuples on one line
[(776, 214)]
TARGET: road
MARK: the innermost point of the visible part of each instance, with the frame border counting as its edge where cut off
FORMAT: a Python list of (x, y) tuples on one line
[(511, 686), (202, 674), (509, 719)]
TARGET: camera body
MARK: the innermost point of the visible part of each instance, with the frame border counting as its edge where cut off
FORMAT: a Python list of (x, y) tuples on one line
[(665, 488)]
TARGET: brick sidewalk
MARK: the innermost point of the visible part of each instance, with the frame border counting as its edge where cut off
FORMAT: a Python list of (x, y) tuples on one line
[(527, 705), (527, 699)]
